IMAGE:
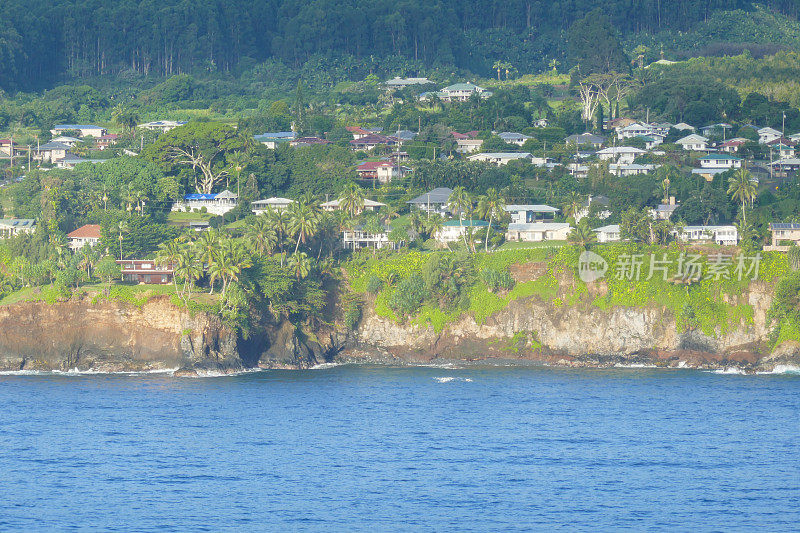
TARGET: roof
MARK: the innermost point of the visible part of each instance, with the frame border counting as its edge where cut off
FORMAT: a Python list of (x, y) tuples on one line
[(621, 150), (77, 127), (463, 87), (311, 140), (439, 195), (683, 126), (501, 155), (53, 146), (17, 222), (784, 225), (356, 129), (405, 135), (611, 228), (509, 135), (720, 157), (88, 231), (212, 196), (585, 138), (61, 139), (707, 228), (666, 208), (374, 138), (273, 201), (283, 135), (692, 138), (367, 203), (538, 226), (466, 223), (366, 166), (536, 208), (463, 136)]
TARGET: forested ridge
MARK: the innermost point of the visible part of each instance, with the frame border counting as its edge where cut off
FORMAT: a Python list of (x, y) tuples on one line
[(46, 40)]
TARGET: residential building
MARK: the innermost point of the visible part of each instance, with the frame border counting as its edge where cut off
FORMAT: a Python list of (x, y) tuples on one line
[(372, 140), (766, 135), (608, 233), (161, 126), (599, 203), (468, 146), (785, 151), (582, 139), (664, 211), (693, 143), (145, 271), (577, 170), (70, 161), (308, 141), (434, 201), (637, 129), (65, 140), (87, 235), (404, 136), (732, 146), (682, 126), (632, 169), (274, 139), (455, 230), (783, 236), (500, 158), (214, 203), (720, 161), (461, 92), (357, 238), (528, 213), (513, 138), (715, 129), (86, 130), (398, 82), (380, 171), (724, 235), (538, 231), (357, 132), (369, 205), (106, 141), (51, 152), (623, 155), (652, 140), (277, 204), (11, 227)]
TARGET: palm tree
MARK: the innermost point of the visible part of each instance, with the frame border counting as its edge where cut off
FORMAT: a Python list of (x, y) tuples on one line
[(490, 206), (434, 225), (238, 160), (123, 228), (261, 235), (300, 263), (279, 220), (743, 189), (351, 200), (460, 204), (168, 253), (127, 118), (498, 66), (189, 268), (582, 235), (573, 205), (303, 222)]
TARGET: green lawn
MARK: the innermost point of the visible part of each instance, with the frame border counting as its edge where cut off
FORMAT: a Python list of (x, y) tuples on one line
[(529, 245), (181, 218)]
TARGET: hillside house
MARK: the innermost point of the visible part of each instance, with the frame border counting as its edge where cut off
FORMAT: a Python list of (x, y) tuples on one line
[(783, 236), (106, 141), (145, 271), (624, 155), (500, 158), (274, 139), (11, 227), (357, 238), (380, 171), (725, 161), (434, 201), (732, 146), (766, 135), (86, 130), (357, 132), (373, 140), (693, 143), (610, 233), (161, 126), (538, 231), (455, 230), (583, 139), (513, 138), (87, 235), (277, 204), (461, 92), (398, 82), (369, 205), (468, 146), (529, 213), (51, 152), (723, 235), (214, 203), (65, 140)]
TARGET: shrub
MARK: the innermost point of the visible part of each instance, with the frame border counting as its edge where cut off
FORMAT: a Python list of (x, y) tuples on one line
[(374, 284), (408, 296), (497, 279)]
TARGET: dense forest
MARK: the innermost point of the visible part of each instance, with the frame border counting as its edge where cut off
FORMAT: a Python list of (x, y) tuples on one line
[(42, 41)]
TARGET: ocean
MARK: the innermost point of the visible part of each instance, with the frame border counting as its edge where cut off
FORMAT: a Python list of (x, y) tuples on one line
[(350, 448)]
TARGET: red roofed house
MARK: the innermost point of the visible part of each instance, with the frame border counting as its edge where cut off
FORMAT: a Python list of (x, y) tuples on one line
[(85, 235), (357, 132), (105, 141), (372, 140), (382, 171), (733, 145), (308, 141)]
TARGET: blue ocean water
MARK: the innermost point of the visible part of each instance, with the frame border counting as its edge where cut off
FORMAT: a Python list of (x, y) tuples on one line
[(412, 449)]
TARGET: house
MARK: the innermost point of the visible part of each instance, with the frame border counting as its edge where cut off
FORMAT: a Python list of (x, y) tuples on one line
[(500, 158), (5, 146), (468, 146), (538, 231), (455, 230), (398, 82), (664, 211), (11, 227), (308, 141), (105, 141), (720, 161), (591, 139), (369, 205), (766, 135), (619, 122), (608, 233), (783, 236), (87, 235), (461, 92), (513, 138), (708, 173), (785, 151), (632, 169), (732, 146), (70, 161), (637, 129), (217, 204), (161, 126), (577, 170), (541, 123), (84, 129), (404, 136), (274, 139), (357, 132), (469, 135), (652, 140), (51, 152), (65, 140), (434, 201), (783, 167), (277, 204), (724, 235), (600, 203), (528, 213), (355, 239), (682, 126), (715, 129), (693, 143), (372, 140), (624, 155), (145, 271), (380, 171)]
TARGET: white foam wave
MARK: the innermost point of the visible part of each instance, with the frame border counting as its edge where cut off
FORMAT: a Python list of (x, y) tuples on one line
[(76, 372), (448, 379), (790, 370), (323, 366), (634, 365), (731, 371)]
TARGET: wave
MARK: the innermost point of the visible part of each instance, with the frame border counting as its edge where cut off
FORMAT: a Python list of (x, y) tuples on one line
[(448, 379), (634, 365), (731, 371), (324, 366), (77, 372), (789, 370)]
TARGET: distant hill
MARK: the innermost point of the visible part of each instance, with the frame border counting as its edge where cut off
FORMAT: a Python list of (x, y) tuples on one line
[(46, 40)]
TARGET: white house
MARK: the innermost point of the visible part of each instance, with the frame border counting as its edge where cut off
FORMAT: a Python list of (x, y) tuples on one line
[(528, 213), (785, 151), (217, 204), (369, 205), (454, 230), (768, 134), (620, 154), (720, 161), (693, 143), (86, 130), (608, 233), (724, 235), (51, 152), (277, 204), (87, 235), (461, 92), (585, 138), (783, 234), (468, 146), (637, 129), (682, 126), (10, 227), (66, 140), (538, 231), (500, 158), (273, 140), (356, 239), (513, 138), (632, 169), (398, 82), (161, 126)]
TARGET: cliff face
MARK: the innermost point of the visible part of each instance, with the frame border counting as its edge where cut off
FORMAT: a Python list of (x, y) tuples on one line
[(112, 336), (583, 335)]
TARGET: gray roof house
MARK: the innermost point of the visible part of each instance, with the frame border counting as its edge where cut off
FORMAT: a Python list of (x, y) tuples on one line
[(586, 138), (434, 201)]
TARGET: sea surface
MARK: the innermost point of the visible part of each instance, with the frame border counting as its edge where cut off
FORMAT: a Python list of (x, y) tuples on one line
[(351, 448)]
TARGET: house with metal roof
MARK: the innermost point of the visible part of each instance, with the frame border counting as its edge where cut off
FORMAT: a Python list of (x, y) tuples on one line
[(624, 155), (528, 213), (538, 231), (725, 161), (434, 201), (276, 203), (161, 126), (693, 143), (214, 203), (513, 138), (455, 230), (610, 233), (369, 205), (784, 235), (11, 227), (586, 139), (86, 130), (461, 92), (86, 235), (723, 235), (274, 139), (51, 152), (500, 158)]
